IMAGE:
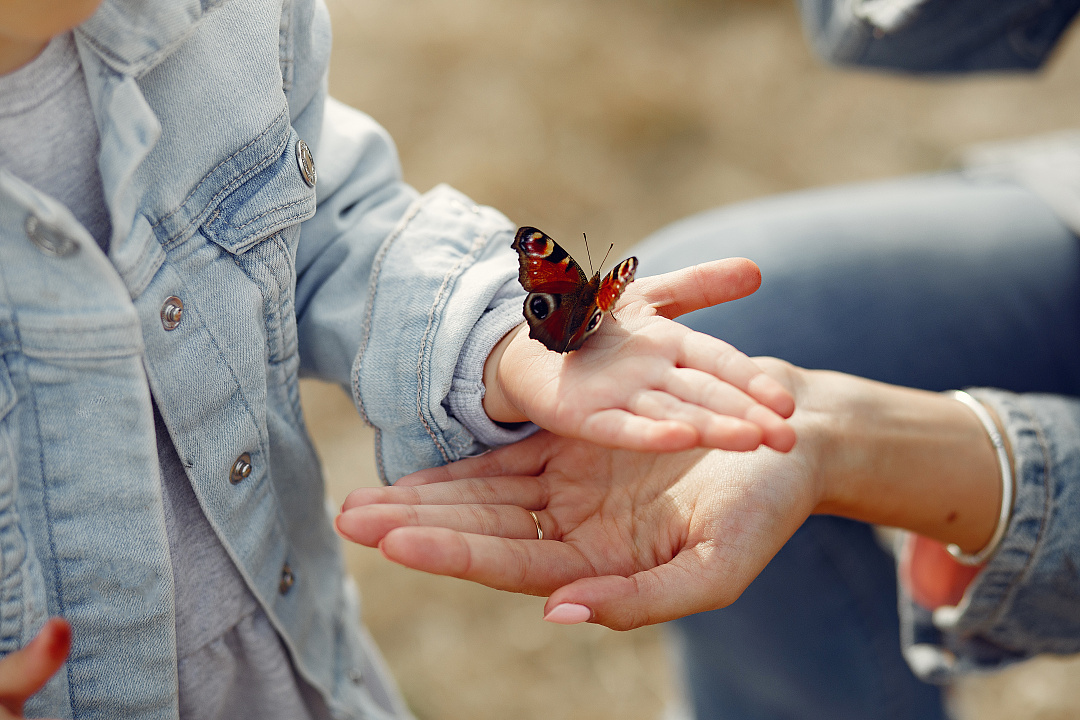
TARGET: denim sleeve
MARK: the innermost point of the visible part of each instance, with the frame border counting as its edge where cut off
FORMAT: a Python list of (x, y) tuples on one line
[(1026, 601), (390, 282), (937, 36), (466, 398)]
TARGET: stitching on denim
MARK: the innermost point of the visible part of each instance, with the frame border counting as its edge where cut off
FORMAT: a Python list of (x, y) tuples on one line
[(64, 332), (436, 303), (282, 223), (271, 210), (365, 333), (227, 189), (116, 349), (136, 67), (102, 352), (203, 179), (379, 466), (451, 275), (62, 606)]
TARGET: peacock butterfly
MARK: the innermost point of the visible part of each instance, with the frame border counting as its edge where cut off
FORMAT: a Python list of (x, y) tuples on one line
[(563, 307)]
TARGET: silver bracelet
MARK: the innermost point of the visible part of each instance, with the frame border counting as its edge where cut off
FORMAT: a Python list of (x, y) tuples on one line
[(1006, 484)]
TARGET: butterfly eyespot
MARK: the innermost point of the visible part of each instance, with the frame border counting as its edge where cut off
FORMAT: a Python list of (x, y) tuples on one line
[(540, 305), (537, 245), (594, 321)]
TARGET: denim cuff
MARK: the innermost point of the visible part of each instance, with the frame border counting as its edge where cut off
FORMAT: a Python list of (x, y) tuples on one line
[(432, 281), (1026, 600), (466, 397)]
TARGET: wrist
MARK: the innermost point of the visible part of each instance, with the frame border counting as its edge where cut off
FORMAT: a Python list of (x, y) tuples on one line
[(497, 403), (901, 457)]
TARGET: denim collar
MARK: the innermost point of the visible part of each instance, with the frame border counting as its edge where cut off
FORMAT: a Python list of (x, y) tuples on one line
[(132, 36)]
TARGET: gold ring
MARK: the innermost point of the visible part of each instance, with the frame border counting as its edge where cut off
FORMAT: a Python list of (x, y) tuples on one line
[(539, 530)]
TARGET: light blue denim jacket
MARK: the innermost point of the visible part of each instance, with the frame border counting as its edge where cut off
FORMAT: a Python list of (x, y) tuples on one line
[(360, 280), (1026, 601)]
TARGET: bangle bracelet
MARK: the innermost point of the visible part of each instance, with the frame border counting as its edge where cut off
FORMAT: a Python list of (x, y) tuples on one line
[(1006, 484)]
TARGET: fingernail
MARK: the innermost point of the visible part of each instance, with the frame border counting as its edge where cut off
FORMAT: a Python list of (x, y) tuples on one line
[(568, 614)]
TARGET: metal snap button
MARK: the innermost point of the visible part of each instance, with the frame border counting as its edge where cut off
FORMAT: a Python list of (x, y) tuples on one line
[(172, 312), (48, 239), (287, 579), (356, 675), (306, 163), (240, 469)]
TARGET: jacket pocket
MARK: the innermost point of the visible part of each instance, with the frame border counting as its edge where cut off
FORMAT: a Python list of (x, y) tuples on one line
[(258, 225), (276, 198)]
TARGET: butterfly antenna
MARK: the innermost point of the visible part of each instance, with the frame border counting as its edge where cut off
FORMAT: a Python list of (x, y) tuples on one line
[(606, 254), (588, 254)]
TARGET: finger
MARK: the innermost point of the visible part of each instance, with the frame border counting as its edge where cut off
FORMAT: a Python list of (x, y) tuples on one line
[(623, 429), (25, 671), (526, 457), (700, 286), (716, 428), (369, 525), (665, 592), (526, 492), (714, 396), (719, 359), (536, 567)]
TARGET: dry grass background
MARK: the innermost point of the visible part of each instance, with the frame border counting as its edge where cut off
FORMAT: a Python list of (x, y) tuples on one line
[(615, 117)]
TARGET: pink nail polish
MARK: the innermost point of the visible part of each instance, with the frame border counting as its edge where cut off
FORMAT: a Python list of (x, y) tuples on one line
[(568, 614)]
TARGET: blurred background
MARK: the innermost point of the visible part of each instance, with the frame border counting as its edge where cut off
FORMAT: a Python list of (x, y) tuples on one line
[(614, 118)]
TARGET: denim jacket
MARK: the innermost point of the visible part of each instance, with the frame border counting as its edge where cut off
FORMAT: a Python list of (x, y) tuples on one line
[(1026, 601), (229, 273)]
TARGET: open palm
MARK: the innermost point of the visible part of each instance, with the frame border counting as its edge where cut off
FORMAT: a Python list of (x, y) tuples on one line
[(637, 538), (647, 382)]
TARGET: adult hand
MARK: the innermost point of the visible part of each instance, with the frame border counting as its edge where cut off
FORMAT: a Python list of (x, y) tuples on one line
[(646, 382), (25, 671), (630, 538), (633, 538)]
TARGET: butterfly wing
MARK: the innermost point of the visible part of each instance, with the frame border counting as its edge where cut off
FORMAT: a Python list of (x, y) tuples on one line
[(605, 293), (559, 321), (612, 286), (544, 266), (563, 307), (559, 293)]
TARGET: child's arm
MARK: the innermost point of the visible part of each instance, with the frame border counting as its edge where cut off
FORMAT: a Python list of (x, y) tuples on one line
[(645, 382)]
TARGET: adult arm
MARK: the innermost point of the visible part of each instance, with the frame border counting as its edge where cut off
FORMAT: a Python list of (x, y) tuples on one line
[(639, 538)]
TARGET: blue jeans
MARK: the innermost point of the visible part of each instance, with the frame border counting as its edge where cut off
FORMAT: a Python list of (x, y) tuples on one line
[(934, 282)]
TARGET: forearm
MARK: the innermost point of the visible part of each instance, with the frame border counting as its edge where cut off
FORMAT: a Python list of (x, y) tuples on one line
[(899, 457)]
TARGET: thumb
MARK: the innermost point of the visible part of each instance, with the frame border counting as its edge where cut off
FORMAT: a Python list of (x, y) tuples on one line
[(663, 593), (699, 286), (23, 672)]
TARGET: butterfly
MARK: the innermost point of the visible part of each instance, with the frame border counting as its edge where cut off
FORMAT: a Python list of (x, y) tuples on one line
[(563, 307)]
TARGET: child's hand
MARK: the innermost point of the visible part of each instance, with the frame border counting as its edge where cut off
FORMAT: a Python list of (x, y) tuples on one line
[(25, 671), (646, 382)]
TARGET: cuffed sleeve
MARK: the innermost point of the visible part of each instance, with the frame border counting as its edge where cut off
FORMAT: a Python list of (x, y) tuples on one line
[(466, 398), (1026, 600), (390, 286)]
